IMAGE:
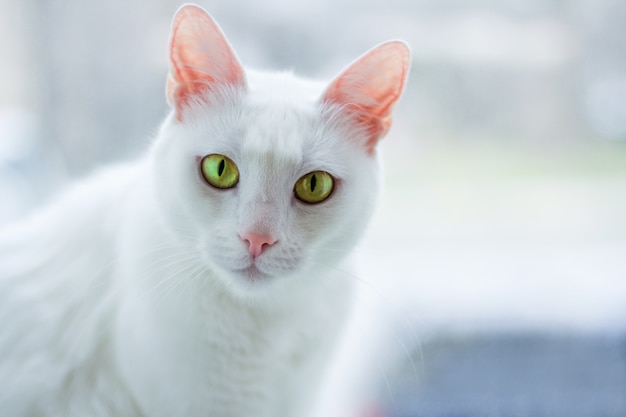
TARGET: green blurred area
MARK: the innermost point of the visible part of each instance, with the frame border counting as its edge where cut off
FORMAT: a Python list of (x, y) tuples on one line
[(493, 161)]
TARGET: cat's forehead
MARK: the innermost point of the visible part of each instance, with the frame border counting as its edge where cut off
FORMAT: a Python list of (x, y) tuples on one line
[(280, 115), (281, 136), (276, 129), (282, 87)]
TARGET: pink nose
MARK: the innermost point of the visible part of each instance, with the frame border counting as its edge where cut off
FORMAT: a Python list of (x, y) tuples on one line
[(258, 243)]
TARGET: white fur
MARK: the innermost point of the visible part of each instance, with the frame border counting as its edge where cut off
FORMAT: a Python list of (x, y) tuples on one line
[(122, 297)]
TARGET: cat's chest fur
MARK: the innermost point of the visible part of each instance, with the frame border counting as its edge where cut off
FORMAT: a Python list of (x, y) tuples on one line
[(272, 364)]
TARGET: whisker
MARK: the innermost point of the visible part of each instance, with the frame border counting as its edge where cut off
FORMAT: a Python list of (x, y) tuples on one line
[(193, 277), (171, 278)]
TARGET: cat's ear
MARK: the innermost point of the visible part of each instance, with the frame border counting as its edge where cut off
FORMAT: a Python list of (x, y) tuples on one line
[(369, 88), (201, 59)]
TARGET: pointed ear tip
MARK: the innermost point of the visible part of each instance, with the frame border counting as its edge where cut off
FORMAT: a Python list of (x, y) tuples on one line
[(188, 18), (399, 43), (398, 46), (189, 9)]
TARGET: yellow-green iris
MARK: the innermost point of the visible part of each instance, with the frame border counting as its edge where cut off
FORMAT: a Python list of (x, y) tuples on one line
[(219, 171), (314, 187)]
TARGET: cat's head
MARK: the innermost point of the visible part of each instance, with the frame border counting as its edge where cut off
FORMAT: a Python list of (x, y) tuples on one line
[(267, 177)]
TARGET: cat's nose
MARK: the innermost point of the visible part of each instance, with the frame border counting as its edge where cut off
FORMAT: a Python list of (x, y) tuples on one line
[(257, 243)]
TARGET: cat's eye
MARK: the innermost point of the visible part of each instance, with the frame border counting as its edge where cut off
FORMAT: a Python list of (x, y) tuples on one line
[(314, 187), (219, 171)]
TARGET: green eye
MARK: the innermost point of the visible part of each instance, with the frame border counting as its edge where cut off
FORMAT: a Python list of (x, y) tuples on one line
[(219, 171), (314, 187)]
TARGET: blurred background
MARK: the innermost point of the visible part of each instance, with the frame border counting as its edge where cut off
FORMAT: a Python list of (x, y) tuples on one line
[(499, 251)]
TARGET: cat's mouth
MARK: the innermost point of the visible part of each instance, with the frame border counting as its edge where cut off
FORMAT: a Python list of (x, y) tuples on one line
[(253, 274)]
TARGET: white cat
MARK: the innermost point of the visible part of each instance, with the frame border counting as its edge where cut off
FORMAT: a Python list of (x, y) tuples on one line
[(204, 279)]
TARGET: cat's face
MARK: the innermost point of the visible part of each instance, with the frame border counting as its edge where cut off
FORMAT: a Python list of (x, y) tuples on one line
[(271, 146), (266, 177)]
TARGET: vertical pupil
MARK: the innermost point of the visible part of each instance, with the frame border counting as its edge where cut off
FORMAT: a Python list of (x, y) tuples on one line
[(313, 182), (220, 168)]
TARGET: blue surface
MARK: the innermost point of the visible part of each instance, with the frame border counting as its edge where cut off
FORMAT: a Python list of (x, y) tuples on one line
[(514, 376)]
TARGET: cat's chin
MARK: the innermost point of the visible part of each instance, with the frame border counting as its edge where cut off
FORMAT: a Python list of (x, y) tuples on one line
[(250, 282), (253, 274)]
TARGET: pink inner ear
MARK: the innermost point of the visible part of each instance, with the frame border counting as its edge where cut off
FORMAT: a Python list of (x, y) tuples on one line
[(371, 86), (200, 56)]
